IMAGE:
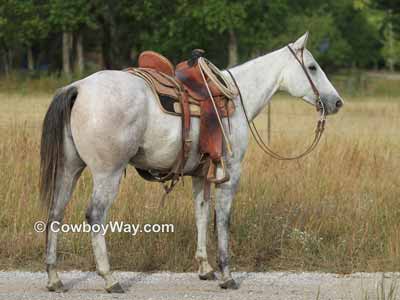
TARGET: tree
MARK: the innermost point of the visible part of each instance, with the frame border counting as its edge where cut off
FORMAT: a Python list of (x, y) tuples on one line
[(115, 30), (359, 32), (390, 30), (30, 27), (344, 33), (224, 17), (391, 47), (70, 17)]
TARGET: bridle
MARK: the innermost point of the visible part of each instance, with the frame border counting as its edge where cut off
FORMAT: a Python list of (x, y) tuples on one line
[(320, 124), (319, 104)]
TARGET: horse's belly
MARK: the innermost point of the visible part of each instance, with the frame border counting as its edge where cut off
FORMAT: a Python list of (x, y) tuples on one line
[(159, 155), (162, 144)]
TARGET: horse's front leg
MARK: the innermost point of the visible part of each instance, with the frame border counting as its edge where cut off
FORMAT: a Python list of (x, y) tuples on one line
[(224, 197), (202, 211)]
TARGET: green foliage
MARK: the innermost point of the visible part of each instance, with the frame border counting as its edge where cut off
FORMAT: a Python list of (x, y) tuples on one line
[(391, 49), (359, 33), (22, 22), (326, 41), (343, 33), (70, 15), (220, 15), (390, 30), (265, 26)]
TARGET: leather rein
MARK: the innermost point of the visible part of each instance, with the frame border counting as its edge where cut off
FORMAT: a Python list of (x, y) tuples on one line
[(318, 130)]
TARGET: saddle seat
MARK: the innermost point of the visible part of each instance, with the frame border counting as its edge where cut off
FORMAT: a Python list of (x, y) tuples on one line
[(182, 91), (186, 72)]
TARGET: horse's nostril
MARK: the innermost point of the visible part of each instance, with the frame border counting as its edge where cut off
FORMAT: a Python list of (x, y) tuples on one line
[(339, 103)]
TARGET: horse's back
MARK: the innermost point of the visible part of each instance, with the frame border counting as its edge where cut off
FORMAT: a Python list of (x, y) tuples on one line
[(116, 119), (108, 119)]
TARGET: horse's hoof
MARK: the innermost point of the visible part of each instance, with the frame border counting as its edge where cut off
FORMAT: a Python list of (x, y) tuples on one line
[(116, 288), (229, 284), (57, 287), (208, 276)]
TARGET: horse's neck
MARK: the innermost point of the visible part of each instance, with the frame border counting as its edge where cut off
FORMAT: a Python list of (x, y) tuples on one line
[(259, 79)]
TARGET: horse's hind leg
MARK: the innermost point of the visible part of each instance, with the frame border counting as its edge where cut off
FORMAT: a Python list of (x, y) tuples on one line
[(202, 211), (105, 189), (66, 180)]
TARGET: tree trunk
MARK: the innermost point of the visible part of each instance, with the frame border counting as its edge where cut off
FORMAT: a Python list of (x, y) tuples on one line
[(255, 53), (133, 56), (67, 43), (31, 62), (80, 63), (232, 49), (107, 43), (10, 59), (6, 64), (391, 59), (106, 48)]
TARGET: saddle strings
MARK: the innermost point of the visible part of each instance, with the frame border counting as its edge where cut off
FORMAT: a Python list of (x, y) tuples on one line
[(219, 79)]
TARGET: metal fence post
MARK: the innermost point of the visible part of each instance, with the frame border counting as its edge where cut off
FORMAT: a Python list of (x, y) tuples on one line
[(269, 123)]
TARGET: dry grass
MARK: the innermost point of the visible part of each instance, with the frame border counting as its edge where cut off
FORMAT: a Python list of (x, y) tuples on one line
[(336, 210)]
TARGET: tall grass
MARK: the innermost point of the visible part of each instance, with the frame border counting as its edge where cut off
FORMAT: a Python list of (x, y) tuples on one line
[(336, 210)]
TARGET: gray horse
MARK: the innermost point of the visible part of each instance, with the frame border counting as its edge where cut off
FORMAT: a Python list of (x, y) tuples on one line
[(111, 119)]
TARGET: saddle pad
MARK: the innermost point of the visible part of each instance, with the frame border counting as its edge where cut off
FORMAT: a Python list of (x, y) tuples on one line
[(167, 91)]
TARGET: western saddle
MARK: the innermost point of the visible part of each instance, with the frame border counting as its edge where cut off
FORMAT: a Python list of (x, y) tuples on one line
[(195, 88)]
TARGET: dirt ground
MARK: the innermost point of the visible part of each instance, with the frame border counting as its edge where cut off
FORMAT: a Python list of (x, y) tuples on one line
[(274, 285)]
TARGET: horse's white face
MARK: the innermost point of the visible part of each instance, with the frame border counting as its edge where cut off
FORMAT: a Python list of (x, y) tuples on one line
[(294, 79)]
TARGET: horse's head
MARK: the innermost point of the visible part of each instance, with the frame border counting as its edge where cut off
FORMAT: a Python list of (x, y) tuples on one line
[(296, 81)]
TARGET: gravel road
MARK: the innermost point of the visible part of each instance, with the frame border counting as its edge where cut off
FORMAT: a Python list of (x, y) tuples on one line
[(168, 286)]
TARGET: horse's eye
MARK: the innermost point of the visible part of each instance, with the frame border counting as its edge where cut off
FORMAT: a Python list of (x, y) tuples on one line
[(312, 68)]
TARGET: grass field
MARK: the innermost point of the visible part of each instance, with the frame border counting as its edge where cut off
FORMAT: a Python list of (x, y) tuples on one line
[(336, 210)]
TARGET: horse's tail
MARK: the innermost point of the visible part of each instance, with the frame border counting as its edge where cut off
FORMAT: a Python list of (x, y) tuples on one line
[(52, 142)]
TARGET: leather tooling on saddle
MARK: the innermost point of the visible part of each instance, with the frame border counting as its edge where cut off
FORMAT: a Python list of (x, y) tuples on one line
[(195, 88)]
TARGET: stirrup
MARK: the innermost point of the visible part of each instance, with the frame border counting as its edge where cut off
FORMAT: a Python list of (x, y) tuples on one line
[(212, 173)]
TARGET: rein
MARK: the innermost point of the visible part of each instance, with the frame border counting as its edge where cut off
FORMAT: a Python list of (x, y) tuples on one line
[(318, 130)]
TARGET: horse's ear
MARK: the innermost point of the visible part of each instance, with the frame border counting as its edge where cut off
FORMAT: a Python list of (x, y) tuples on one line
[(301, 42)]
